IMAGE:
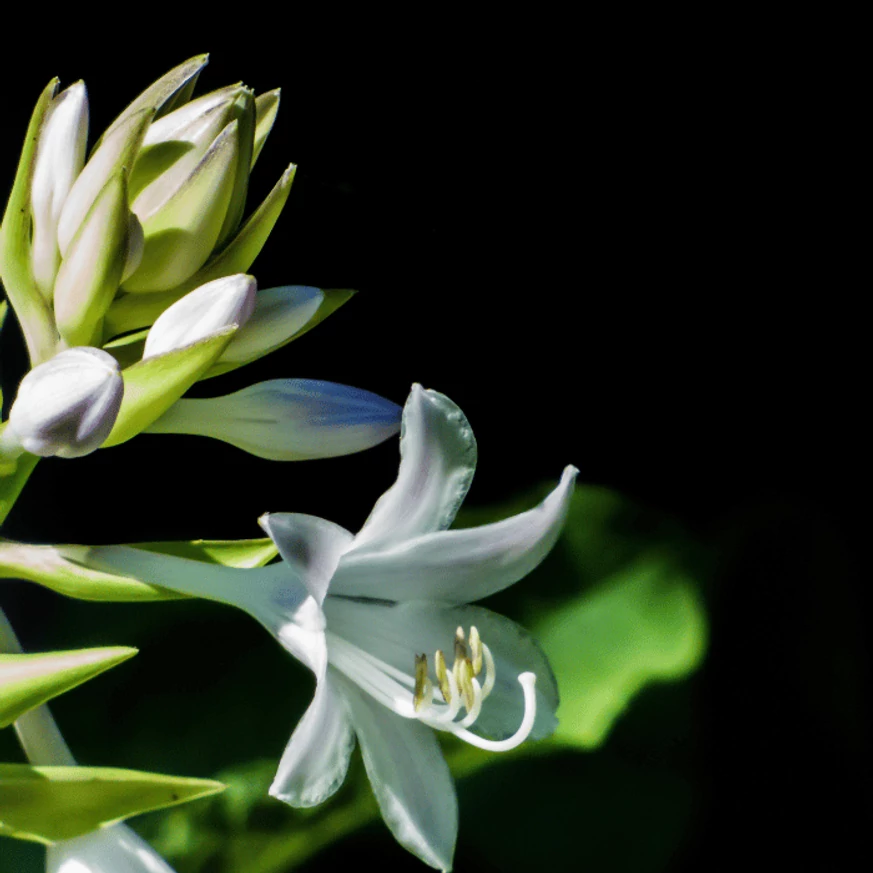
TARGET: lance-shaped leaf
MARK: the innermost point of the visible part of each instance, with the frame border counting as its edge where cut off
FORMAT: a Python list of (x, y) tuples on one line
[(106, 247), (236, 206), (288, 419), (266, 109), (132, 311), (153, 385), (47, 804), (181, 232), (116, 153), (28, 681), (280, 315), (156, 97), (63, 569), (34, 315)]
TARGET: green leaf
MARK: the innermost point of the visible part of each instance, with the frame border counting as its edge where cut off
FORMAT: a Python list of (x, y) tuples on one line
[(34, 314), (154, 160), (236, 207), (153, 385), (645, 624), (266, 109), (231, 553), (331, 301), (28, 681), (61, 569), (13, 477), (47, 804)]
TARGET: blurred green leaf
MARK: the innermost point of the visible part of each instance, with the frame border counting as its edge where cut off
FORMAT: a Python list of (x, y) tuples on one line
[(46, 804), (645, 624), (27, 681)]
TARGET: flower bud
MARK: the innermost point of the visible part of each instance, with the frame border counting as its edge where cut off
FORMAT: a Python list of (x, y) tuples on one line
[(104, 250), (68, 405), (60, 157), (288, 419), (183, 213), (202, 313)]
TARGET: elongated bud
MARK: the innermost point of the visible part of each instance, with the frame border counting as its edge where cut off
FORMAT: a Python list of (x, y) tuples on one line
[(183, 213), (201, 313), (67, 406), (198, 122), (60, 157), (288, 419), (115, 153), (105, 249)]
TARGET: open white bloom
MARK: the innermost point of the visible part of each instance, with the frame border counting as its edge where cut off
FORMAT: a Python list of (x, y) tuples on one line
[(384, 622)]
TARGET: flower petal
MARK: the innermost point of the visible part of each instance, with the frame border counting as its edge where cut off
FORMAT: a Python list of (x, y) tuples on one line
[(395, 633), (409, 776), (316, 759), (115, 849), (288, 419), (457, 566), (310, 546), (437, 461)]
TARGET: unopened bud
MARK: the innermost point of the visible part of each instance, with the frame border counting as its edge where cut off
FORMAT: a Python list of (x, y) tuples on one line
[(60, 156), (202, 313), (68, 405)]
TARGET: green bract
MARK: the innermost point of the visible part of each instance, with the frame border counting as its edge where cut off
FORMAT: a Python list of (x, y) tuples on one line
[(46, 804), (27, 681)]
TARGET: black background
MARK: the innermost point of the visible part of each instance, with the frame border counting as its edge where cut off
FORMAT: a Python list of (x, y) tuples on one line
[(613, 247)]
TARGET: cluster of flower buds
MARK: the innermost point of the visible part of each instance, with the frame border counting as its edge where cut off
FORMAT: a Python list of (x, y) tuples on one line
[(139, 255)]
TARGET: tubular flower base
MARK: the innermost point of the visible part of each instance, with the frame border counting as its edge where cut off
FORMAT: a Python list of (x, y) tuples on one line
[(115, 849), (383, 620)]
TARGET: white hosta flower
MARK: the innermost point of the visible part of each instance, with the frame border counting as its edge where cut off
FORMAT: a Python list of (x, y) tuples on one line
[(288, 419), (60, 157), (202, 313), (115, 849), (383, 620), (67, 406)]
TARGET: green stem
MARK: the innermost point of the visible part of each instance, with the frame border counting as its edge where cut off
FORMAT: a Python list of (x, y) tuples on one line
[(13, 477)]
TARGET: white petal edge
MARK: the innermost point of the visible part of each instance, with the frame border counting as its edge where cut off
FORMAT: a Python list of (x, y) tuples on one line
[(316, 759), (458, 566), (409, 776), (310, 546), (115, 849), (437, 462)]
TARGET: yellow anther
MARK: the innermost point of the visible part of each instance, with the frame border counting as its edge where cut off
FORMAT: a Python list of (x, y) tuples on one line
[(464, 678), (460, 648), (476, 650), (423, 685), (439, 663), (459, 635)]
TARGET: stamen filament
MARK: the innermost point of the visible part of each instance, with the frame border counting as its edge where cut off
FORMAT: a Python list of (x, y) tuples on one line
[(528, 684)]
